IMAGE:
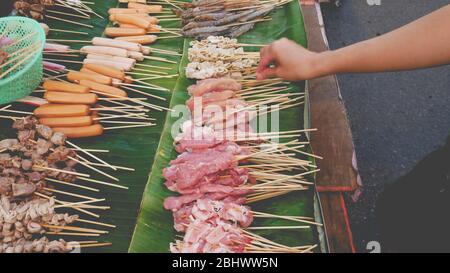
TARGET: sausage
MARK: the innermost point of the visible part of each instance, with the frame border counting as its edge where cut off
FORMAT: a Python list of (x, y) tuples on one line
[(115, 82), (106, 50), (79, 132), (151, 19), (106, 89), (146, 50), (141, 39), (122, 31), (107, 71), (99, 41), (70, 98), (125, 11), (128, 79), (133, 19), (75, 76), (136, 55), (128, 61), (61, 110), (116, 65), (50, 85), (68, 121), (147, 8)]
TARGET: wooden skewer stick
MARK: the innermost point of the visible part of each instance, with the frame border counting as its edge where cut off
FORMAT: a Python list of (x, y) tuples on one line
[(79, 203), (278, 227), (62, 60), (70, 194), (291, 218), (103, 183), (61, 171), (89, 154), (87, 230), (67, 14), (73, 234), (95, 223), (169, 37), (72, 184), (22, 60), (173, 5), (95, 245), (68, 21), (62, 202), (117, 167), (17, 112), (93, 150), (69, 41), (157, 59), (129, 126), (144, 93), (69, 31)]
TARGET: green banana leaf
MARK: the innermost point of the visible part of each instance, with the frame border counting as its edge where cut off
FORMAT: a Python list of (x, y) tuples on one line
[(154, 229)]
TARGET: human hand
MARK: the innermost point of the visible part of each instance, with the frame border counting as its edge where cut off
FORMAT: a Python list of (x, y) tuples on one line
[(290, 61)]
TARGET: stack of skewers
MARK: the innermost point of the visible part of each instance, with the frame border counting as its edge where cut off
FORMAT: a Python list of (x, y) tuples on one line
[(229, 18), (134, 24), (33, 167), (223, 164)]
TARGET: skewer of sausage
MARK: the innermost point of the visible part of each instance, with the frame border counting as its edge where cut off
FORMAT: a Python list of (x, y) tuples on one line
[(121, 31), (129, 61), (141, 39), (75, 76), (116, 65), (80, 132), (147, 8), (140, 20), (70, 98), (116, 82), (104, 89), (59, 86), (106, 71), (100, 41)]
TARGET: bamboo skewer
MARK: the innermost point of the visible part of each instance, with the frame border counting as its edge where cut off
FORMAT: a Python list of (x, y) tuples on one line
[(95, 223), (89, 154), (72, 184), (68, 21), (71, 228), (73, 234), (79, 203), (70, 194), (61, 171), (102, 183), (75, 208)]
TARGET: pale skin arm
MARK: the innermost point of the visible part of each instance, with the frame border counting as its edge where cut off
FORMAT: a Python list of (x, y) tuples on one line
[(422, 43)]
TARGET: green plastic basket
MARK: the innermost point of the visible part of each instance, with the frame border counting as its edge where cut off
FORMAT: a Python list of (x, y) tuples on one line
[(24, 79)]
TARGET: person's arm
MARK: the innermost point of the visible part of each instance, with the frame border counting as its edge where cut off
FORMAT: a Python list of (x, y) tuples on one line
[(422, 43)]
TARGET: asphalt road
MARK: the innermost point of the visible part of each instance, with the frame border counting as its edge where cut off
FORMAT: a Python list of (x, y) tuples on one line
[(396, 118)]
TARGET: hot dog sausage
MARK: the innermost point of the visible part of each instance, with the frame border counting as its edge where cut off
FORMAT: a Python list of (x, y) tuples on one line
[(50, 85), (107, 71), (141, 39), (67, 121), (61, 110), (79, 132), (120, 32), (70, 98), (75, 76), (106, 89)]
